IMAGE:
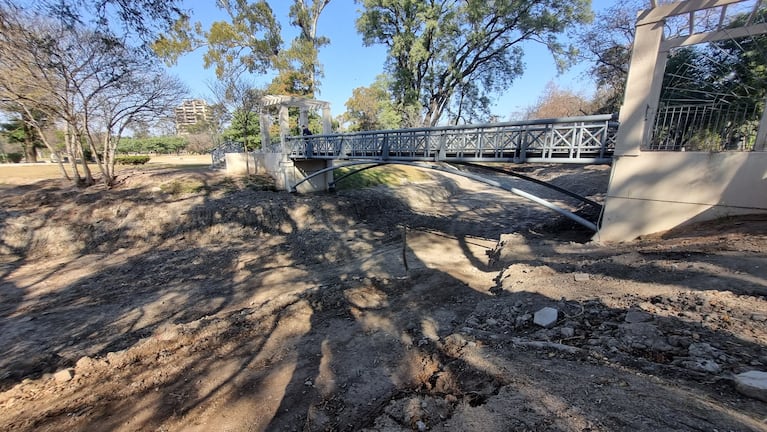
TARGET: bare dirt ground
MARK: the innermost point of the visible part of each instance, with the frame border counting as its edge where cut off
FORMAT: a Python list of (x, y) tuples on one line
[(187, 301)]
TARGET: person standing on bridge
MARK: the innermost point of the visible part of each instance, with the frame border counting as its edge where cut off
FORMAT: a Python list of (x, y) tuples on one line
[(307, 141)]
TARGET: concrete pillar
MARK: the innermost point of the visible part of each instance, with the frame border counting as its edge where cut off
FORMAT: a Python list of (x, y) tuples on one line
[(303, 118), (641, 98), (327, 121), (284, 125), (265, 123), (761, 134)]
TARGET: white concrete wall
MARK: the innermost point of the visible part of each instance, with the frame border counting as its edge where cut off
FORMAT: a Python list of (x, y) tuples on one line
[(657, 191), (286, 173)]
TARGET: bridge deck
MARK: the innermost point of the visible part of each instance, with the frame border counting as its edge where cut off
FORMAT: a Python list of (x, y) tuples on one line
[(588, 139)]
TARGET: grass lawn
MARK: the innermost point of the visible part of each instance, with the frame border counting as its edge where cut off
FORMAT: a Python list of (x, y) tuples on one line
[(29, 173)]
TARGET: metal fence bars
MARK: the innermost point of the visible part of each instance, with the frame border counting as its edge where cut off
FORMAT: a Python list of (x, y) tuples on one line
[(588, 139), (705, 127), (218, 154)]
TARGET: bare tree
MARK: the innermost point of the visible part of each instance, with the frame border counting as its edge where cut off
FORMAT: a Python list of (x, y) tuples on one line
[(95, 84)]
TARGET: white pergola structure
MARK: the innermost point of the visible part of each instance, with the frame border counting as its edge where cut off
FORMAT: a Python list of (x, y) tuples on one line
[(303, 104), (653, 191)]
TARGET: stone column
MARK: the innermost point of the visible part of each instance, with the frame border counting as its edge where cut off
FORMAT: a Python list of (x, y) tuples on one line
[(327, 120), (303, 119), (284, 125), (266, 140), (641, 98)]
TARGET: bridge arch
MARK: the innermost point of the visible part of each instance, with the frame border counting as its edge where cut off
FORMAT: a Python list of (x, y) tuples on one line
[(453, 170)]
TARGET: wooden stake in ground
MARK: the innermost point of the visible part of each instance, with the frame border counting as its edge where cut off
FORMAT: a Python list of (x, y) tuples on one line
[(404, 248)]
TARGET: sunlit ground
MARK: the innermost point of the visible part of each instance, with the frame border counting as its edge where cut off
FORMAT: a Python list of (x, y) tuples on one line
[(25, 173)]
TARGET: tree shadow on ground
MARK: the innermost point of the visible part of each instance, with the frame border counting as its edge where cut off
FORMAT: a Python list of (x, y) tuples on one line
[(290, 326)]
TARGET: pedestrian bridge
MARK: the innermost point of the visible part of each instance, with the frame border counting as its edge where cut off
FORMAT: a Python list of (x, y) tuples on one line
[(584, 140), (581, 140)]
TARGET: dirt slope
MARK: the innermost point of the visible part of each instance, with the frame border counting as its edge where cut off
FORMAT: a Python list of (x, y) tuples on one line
[(186, 301)]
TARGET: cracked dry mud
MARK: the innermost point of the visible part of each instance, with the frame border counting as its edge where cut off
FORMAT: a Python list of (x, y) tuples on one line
[(234, 308)]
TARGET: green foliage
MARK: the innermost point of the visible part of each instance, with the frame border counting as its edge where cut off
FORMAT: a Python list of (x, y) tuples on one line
[(132, 160), (142, 18), (247, 42), (437, 47), (11, 157), (245, 128), (163, 145), (370, 108)]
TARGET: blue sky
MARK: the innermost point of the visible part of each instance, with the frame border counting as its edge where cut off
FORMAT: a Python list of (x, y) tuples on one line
[(348, 64)]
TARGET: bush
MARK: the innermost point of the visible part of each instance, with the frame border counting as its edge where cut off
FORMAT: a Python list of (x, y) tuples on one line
[(14, 157), (132, 160)]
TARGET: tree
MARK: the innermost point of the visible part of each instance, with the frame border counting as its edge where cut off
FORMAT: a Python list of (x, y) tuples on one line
[(142, 18), (94, 83), (245, 129), (247, 43), (607, 44), (250, 42), (469, 105), (299, 65), (19, 131), (438, 46), (370, 108), (556, 102)]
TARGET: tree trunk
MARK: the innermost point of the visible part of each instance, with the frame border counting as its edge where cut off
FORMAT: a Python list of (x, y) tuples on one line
[(53, 151), (29, 144), (72, 154)]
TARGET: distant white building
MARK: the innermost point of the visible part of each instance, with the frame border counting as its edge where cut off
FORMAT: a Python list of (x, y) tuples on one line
[(191, 112)]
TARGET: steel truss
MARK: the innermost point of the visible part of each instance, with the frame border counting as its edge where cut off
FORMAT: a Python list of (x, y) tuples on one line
[(586, 140)]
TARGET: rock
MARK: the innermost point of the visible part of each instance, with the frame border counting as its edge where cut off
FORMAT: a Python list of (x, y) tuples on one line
[(759, 317), (167, 333), (420, 425), (637, 316), (546, 317), (581, 277), (85, 364), (644, 335), (65, 375), (703, 350), (753, 384), (523, 320), (702, 365), (567, 332)]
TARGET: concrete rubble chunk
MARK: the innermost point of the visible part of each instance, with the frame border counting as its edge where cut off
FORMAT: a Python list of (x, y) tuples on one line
[(753, 384), (546, 317), (581, 277), (64, 375)]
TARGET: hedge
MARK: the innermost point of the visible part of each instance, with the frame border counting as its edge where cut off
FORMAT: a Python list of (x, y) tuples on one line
[(132, 160)]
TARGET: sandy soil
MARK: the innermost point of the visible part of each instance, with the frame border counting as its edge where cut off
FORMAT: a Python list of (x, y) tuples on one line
[(187, 301)]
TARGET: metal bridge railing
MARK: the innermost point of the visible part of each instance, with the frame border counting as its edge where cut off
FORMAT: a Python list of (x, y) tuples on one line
[(588, 139)]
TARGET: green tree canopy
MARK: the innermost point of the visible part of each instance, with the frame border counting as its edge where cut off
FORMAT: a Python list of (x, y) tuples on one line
[(438, 46), (370, 108), (250, 41), (247, 42), (144, 19)]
